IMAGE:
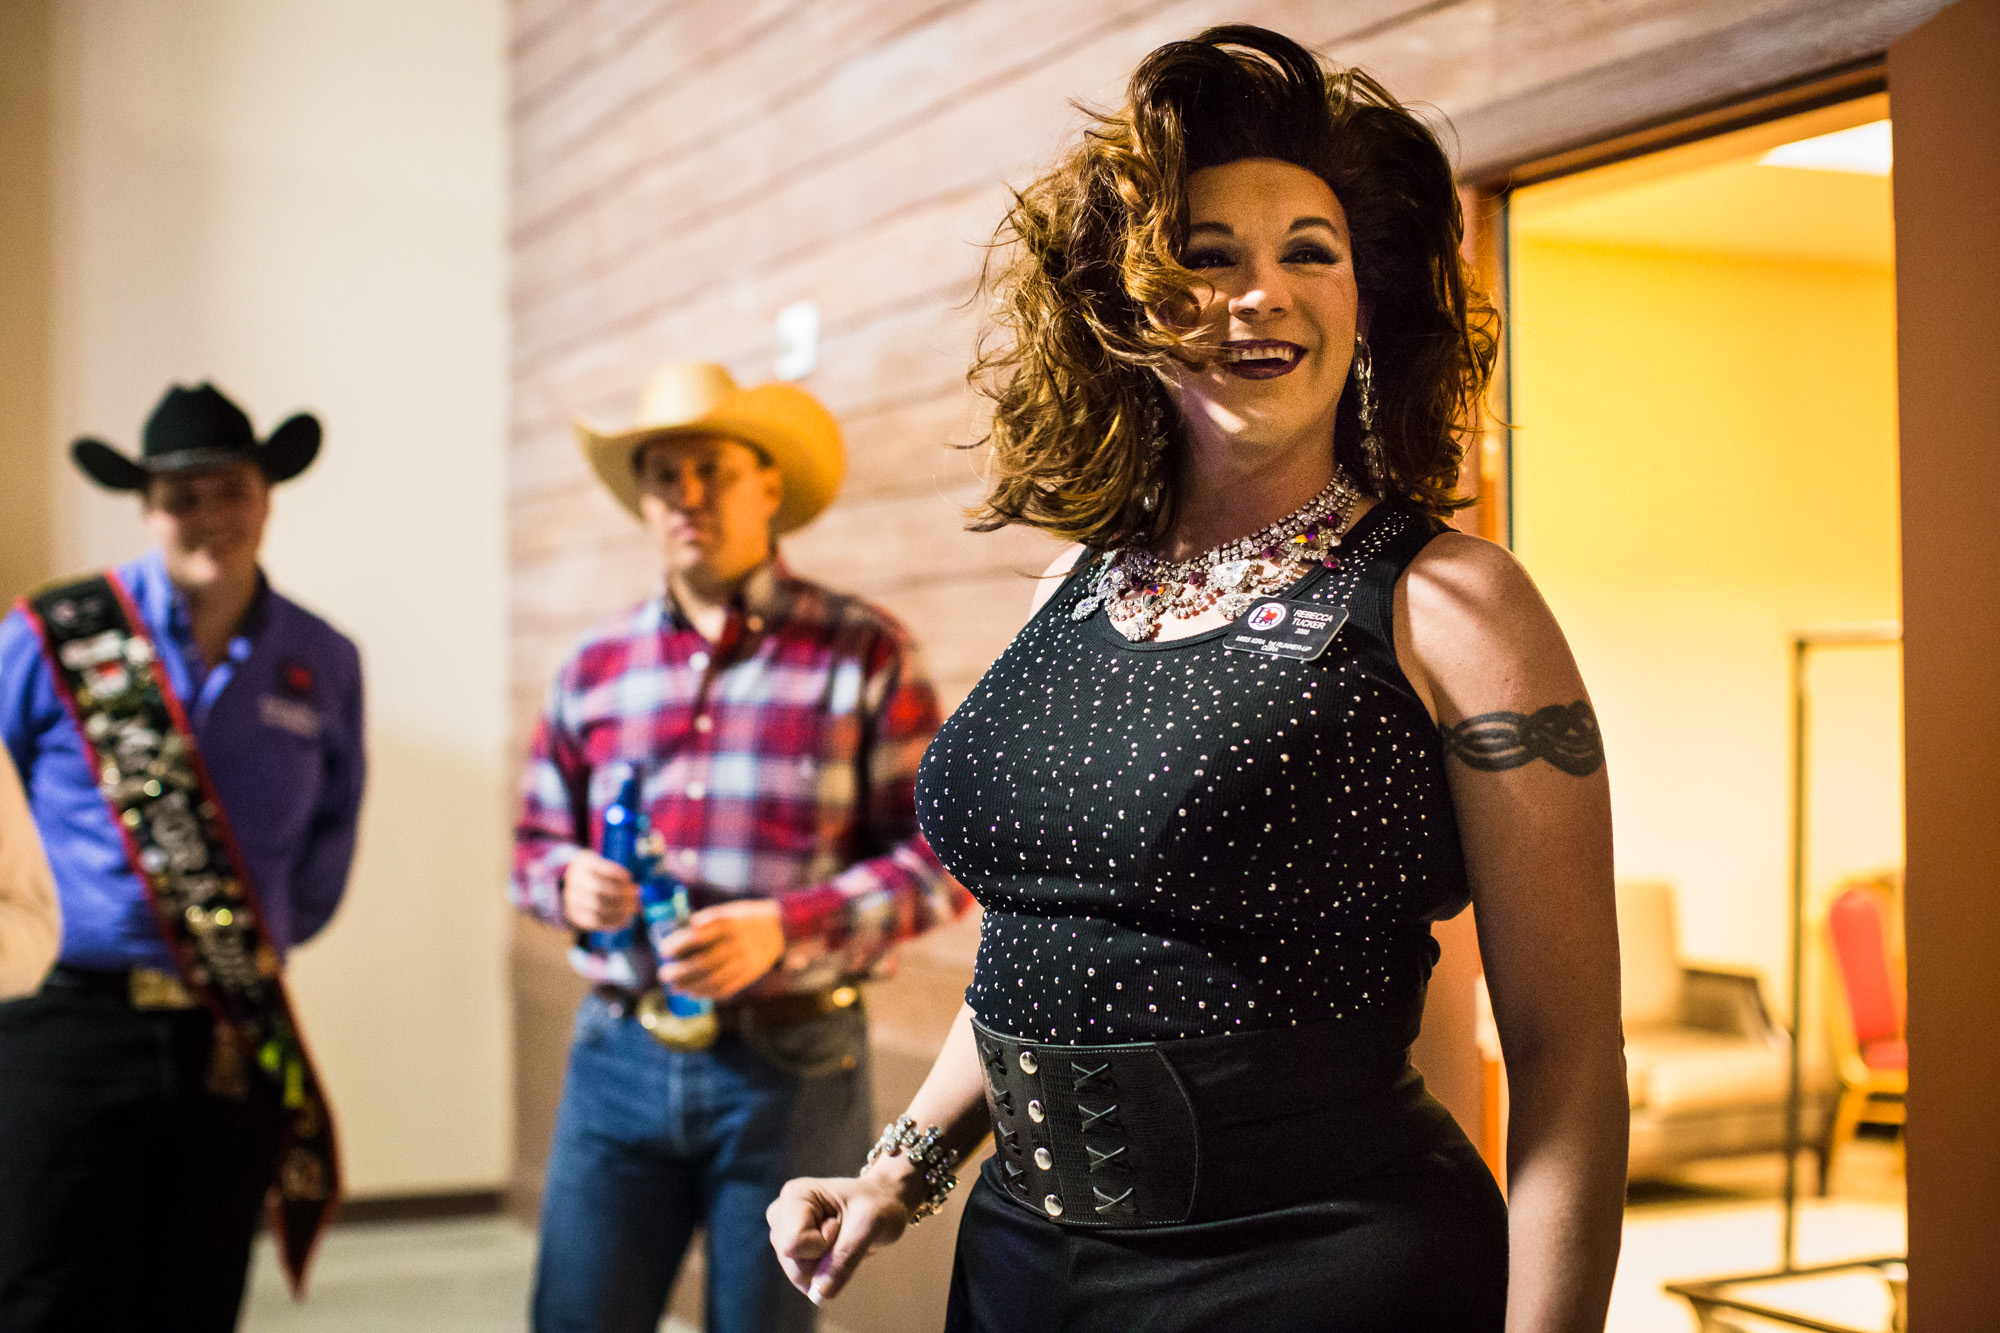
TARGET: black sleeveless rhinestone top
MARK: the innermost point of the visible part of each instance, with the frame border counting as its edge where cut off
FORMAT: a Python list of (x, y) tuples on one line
[(1174, 840)]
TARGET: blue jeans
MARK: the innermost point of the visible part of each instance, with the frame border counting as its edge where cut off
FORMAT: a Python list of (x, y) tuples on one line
[(651, 1143)]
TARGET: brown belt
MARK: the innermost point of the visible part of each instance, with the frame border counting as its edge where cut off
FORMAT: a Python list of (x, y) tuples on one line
[(784, 1010), (762, 1014)]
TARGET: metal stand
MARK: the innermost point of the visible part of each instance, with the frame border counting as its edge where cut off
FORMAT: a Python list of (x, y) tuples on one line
[(1709, 1295), (1714, 1299)]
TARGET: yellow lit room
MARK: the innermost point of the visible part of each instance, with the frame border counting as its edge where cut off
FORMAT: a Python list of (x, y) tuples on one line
[(1704, 470)]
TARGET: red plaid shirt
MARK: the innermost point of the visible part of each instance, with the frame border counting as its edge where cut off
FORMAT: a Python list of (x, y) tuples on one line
[(778, 762)]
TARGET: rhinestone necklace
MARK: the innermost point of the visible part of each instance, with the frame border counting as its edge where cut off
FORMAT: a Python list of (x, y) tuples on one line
[(1141, 589)]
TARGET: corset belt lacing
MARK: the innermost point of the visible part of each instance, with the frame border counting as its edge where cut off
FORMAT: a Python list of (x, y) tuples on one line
[(1162, 1133)]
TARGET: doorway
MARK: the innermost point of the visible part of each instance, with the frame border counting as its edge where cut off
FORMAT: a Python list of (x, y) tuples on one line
[(1703, 467)]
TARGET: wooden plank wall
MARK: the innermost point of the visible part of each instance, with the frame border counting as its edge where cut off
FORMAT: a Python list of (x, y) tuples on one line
[(683, 170)]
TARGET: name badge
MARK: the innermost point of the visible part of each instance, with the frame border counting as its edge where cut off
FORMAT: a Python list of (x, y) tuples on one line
[(1296, 630), (289, 715)]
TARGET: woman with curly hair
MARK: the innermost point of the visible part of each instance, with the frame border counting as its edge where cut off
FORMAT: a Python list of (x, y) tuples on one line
[(1269, 720)]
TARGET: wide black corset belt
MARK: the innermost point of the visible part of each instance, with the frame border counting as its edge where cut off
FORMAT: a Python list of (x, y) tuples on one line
[(1161, 1133)]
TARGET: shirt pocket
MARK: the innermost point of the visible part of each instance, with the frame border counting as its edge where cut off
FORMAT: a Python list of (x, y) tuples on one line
[(296, 716)]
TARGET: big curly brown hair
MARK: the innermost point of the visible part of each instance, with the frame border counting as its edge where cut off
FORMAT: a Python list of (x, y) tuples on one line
[(1090, 297)]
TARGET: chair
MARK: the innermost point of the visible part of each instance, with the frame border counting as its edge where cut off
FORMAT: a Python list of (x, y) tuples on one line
[(1707, 1069), (1865, 1017)]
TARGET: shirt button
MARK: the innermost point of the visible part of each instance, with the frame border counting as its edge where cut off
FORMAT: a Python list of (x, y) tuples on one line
[(699, 661), (704, 723), (696, 791)]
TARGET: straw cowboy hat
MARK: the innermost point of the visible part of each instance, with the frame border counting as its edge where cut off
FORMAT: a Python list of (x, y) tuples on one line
[(786, 423), (198, 430)]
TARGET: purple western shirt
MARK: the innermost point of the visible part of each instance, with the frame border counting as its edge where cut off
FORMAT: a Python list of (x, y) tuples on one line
[(278, 722)]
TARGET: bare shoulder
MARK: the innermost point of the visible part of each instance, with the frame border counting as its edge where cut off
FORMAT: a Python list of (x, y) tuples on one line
[(1476, 630), (1457, 574), (1052, 577)]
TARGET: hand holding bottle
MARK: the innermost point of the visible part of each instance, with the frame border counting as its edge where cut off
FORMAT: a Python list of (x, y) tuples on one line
[(598, 894), (722, 949)]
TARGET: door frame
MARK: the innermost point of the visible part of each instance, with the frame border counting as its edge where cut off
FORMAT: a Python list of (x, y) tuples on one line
[(1487, 471)]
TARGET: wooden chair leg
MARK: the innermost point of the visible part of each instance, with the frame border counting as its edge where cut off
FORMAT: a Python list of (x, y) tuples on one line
[(1847, 1121)]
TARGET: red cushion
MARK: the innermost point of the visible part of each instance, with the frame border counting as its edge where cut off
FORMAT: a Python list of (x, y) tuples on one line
[(1889, 1053), (1854, 923)]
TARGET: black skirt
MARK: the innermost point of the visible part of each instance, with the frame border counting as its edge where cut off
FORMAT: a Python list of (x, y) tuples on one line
[(1419, 1246)]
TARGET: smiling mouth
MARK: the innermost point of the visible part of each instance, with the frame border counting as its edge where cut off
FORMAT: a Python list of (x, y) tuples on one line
[(687, 532), (1259, 359)]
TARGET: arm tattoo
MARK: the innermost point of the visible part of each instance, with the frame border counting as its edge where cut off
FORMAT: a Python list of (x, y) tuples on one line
[(1564, 734)]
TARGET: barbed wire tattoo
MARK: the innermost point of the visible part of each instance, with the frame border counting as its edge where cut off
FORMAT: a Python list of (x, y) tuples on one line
[(1564, 734)]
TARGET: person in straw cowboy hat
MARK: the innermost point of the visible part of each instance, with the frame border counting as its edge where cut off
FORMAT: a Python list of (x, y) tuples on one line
[(139, 1136), (766, 730)]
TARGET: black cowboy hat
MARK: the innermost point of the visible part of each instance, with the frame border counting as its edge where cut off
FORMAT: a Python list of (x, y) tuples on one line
[(195, 430)]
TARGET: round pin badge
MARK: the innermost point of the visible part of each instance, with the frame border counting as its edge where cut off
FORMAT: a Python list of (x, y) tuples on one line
[(1268, 616)]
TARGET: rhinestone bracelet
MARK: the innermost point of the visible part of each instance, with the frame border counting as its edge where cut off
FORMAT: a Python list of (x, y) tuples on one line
[(927, 1154)]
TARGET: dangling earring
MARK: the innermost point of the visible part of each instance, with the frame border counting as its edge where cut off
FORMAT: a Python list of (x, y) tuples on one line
[(1373, 456), (1156, 447)]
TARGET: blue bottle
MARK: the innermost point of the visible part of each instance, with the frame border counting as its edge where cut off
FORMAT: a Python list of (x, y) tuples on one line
[(683, 1021), (624, 827)]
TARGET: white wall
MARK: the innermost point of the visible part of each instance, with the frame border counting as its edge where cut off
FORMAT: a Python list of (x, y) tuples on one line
[(305, 201)]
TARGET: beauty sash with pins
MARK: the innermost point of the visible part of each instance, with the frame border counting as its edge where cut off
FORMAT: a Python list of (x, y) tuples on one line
[(108, 673)]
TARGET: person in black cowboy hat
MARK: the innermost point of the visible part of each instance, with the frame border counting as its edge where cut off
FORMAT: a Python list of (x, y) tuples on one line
[(199, 430), (139, 1134)]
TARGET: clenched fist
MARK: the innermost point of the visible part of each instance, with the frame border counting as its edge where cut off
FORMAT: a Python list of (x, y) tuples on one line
[(822, 1229), (598, 894)]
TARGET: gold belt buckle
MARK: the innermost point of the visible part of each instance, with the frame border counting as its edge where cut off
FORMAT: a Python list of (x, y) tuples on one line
[(150, 988), (694, 1033)]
